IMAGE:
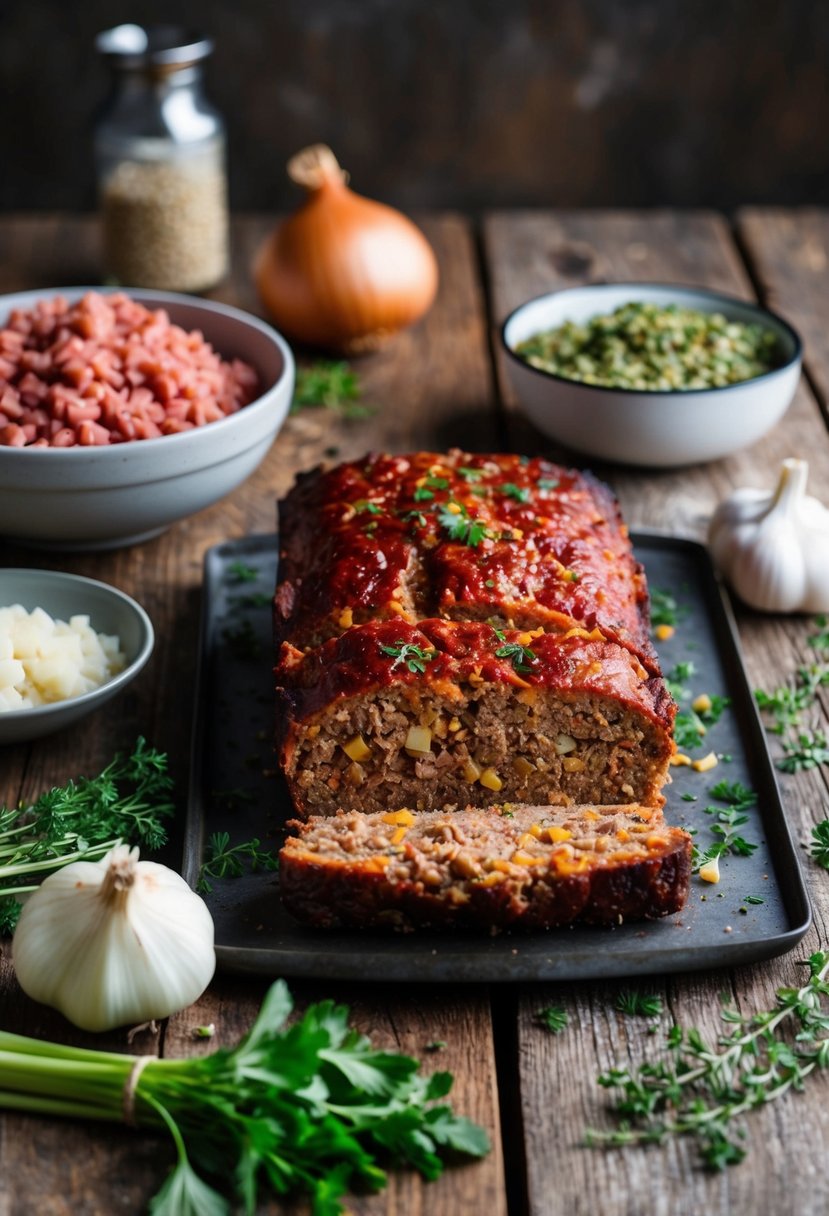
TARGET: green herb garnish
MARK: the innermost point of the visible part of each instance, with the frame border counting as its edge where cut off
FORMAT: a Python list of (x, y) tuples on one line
[(753, 899), (309, 1109), (409, 655), (511, 490), (332, 385), (664, 608), (809, 749), (553, 1018), (548, 483), (820, 640), (363, 506), (459, 527), (82, 820), (639, 1004), (224, 860), (239, 572), (520, 656), (470, 475), (701, 1089), (820, 843)]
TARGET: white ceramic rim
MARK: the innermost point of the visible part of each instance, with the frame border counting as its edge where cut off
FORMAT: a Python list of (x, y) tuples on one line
[(161, 298), (110, 686), (702, 293)]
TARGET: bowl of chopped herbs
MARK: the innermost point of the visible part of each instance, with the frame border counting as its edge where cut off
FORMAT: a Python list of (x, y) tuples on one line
[(651, 374)]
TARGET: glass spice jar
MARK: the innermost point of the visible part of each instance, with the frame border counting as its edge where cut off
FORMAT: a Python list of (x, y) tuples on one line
[(160, 162)]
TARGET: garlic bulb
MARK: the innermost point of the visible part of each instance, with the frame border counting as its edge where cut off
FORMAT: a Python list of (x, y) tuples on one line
[(114, 941), (774, 547)]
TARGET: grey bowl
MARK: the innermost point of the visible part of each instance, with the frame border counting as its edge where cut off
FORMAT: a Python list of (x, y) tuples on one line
[(104, 497), (109, 611)]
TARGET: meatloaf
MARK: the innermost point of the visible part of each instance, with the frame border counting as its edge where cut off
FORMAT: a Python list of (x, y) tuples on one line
[(459, 630), (508, 866)]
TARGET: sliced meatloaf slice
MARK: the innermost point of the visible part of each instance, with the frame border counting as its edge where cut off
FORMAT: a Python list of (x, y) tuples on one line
[(506, 866), (451, 713), (517, 541)]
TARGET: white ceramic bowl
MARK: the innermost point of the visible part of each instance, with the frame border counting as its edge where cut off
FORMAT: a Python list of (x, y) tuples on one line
[(109, 611), (658, 429), (99, 498)]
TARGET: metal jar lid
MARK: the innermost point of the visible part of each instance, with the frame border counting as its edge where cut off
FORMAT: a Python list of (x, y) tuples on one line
[(153, 47)]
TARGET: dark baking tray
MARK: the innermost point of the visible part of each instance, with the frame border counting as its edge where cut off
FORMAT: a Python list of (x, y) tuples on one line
[(234, 788)]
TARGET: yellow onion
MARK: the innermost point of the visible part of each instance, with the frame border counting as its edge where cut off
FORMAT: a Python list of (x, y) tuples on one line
[(343, 272)]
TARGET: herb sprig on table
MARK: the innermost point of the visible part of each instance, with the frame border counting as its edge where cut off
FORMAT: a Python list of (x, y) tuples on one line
[(803, 747), (701, 1089), (225, 860), (129, 800), (310, 1109), (332, 385)]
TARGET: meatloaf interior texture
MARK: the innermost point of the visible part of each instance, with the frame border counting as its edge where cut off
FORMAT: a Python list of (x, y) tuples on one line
[(456, 723), (459, 629), (508, 866)]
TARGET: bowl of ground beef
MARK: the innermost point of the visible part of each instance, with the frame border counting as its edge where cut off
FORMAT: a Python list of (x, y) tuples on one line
[(124, 411)]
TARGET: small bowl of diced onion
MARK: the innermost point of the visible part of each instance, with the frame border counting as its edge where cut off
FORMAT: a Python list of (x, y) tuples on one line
[(67, 645), (651, 374)]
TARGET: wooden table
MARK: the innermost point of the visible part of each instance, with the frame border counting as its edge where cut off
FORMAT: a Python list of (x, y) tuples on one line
[(438, 385)]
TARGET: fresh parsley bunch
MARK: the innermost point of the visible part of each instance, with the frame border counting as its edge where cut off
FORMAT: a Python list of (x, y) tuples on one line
[(311, 1108)]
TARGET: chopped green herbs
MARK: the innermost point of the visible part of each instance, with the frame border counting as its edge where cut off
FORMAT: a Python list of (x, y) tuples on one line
[(224, 860), (820, 640), (128, 801), (309, 1109), (470, 476), (808, 749), (701, 1089), (664, 608), (455, 521), (689, 729), (239, 572), (553, 1018), (654, 347), (639, 1004), (511, 490), (819, 850), (332, 385), (753, 899), (416, 517), (548, 483), (730, 819), (421, 494), (409, 655), (363, 506)]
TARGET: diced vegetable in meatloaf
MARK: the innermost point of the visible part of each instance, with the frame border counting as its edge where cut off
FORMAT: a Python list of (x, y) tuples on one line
[(515, 541), (506, 866), (455, 713)]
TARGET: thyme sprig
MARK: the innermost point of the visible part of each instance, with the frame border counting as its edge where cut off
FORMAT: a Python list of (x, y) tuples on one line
[(702, 1090), (410, 655)]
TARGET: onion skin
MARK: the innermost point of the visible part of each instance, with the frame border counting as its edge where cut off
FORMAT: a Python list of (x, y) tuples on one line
[(343, 272)]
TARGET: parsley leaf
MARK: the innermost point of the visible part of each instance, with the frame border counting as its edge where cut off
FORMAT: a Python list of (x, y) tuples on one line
[(511, 490), (820, 843), (332, 385), (470, 476), (665, 609), (239, 572), (808, 750), (454, 518), (820, 641)]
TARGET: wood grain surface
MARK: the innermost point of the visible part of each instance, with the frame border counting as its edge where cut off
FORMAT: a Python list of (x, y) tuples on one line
[(439, 384)]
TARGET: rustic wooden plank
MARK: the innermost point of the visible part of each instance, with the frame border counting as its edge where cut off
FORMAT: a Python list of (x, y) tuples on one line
[(528, 254), (788, 252), (431, 386)]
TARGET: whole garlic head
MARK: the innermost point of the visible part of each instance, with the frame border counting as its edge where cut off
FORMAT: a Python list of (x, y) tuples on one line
[(773, 547), (114, 941)]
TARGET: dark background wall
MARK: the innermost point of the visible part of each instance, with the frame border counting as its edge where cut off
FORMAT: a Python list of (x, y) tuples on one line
[(467, 103)]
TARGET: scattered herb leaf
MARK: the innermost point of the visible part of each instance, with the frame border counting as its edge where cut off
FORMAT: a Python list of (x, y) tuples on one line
[(224, 860), (332, 385), (553, 1018), (410, 655), (820, 843), (239, 572), (459, 527), (511, 490), (639, 1004)]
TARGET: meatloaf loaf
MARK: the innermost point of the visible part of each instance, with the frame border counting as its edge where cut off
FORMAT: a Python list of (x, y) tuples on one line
[(459, 630), (508, 866)]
